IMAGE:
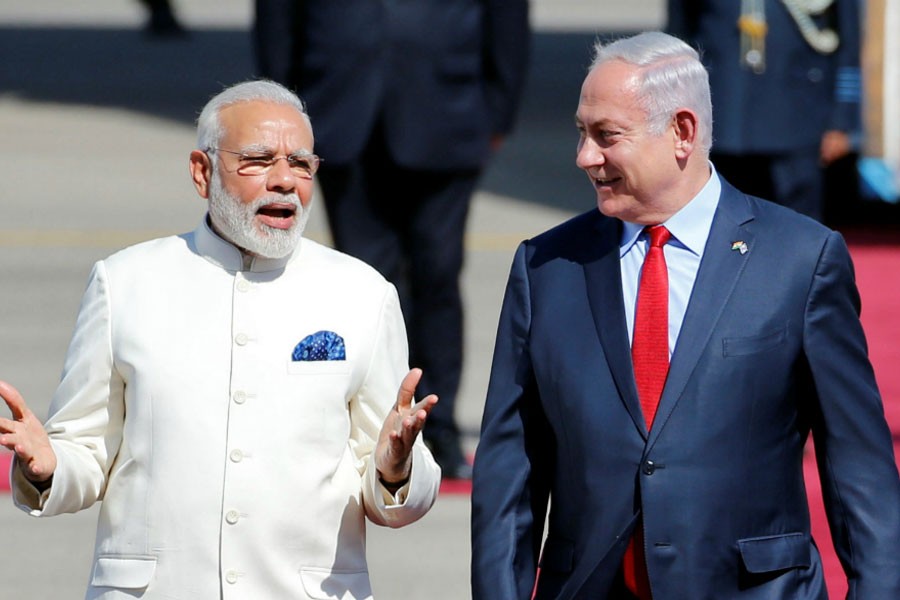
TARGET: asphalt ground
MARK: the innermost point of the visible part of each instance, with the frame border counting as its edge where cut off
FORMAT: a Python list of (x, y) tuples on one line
[(96, 124)]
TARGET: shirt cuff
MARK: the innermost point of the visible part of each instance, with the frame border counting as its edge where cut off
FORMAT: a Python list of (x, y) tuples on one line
[(399, 496)]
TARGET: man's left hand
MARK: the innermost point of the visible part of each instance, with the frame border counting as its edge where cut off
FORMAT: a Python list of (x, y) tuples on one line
[(393, 454)]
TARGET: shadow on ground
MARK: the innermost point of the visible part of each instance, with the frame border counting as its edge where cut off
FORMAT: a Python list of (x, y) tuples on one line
[(173, 78)]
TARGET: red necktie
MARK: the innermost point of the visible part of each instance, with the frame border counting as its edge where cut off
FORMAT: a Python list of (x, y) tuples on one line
[(650, 342), (650, 357)]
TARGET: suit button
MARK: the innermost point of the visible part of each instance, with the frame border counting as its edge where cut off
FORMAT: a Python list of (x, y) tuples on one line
[(649, 467)]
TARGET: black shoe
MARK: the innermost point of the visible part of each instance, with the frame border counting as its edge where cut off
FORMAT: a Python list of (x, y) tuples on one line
[(446, 450)]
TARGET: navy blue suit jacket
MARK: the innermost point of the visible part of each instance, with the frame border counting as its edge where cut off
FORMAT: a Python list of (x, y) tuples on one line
[(770, 349), (442, 76), (800, 95)]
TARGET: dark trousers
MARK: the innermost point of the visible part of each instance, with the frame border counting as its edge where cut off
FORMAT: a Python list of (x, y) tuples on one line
[(792, 179), (409, 224)]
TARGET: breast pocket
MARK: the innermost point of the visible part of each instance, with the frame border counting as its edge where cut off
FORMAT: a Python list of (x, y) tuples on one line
[(318, 367), (742, 346), (314, 397)]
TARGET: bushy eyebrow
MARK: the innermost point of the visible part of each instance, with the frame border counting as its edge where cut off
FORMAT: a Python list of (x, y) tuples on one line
[(580, 124), (262, 149), (593, 125)]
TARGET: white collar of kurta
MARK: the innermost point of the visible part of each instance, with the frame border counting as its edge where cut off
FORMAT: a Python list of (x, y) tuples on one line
[(226, 255)]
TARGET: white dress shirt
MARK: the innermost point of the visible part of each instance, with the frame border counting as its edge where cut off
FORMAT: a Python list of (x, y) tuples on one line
[(690, 229)]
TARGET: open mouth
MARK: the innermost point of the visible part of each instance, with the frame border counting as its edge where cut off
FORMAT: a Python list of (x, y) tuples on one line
[(606, 182), (604, 179), (279, 216)]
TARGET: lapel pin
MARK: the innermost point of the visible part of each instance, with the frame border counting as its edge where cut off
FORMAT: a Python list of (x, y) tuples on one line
[(741, 246)]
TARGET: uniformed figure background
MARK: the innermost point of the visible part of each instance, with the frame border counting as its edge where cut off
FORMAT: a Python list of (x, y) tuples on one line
[(785, 81)]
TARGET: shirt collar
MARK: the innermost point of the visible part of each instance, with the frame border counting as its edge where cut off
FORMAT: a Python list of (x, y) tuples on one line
[(226, 255), (690, 225)]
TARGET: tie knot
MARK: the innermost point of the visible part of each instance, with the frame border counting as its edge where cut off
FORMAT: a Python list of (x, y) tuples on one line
[(659, 235)]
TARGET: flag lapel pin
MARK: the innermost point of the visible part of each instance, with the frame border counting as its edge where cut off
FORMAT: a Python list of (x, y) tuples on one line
[(740, 246)]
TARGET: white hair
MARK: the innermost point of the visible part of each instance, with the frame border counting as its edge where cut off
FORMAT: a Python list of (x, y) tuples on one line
[(209, 127), (670, 77)]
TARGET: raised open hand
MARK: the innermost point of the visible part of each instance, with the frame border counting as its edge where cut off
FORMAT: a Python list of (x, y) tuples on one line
[(25, 435), (393, 454)]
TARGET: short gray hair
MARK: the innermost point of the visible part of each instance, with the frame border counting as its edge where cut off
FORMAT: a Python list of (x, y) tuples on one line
[(209, 127), (670, 76)]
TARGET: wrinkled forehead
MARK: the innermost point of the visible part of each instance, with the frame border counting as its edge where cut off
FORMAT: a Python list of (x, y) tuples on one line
[(612, 79), (609, 90), (262, 124)]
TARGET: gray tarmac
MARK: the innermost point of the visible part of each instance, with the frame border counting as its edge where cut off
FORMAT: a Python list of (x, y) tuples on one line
[(96, 124)]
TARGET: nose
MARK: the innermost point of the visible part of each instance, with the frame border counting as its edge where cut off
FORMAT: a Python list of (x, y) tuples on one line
[(589, 154), (280, 178)]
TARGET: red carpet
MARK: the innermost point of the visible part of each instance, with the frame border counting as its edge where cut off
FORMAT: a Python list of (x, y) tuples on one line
[(5, 460), (456, 486)]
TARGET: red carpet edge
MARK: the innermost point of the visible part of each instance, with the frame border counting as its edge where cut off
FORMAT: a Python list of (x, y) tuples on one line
[(5, 461)]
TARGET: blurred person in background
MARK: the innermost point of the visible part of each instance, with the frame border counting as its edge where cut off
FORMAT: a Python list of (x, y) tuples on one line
[(161, 20), (410, 99), (785, 80)]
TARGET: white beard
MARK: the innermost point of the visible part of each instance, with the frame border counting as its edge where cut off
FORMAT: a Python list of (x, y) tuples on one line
[(236, 221)]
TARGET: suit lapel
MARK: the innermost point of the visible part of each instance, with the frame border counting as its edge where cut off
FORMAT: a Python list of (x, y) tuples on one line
[(604, 289), (719, 272)]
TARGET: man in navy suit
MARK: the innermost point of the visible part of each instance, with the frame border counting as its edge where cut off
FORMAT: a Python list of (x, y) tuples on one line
[(704, 499), (785, 82), (409, 99)]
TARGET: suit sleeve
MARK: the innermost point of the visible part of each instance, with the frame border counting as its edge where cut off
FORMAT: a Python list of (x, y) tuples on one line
[(510, 483), (368, 409), (506, 57), (853, 443), (87, 414)]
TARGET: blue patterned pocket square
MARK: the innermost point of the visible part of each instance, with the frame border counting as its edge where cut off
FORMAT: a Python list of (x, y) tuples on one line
[(322, 345)]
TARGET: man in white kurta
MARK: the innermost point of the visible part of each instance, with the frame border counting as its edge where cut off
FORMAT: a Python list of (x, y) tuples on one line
[(228, 468)]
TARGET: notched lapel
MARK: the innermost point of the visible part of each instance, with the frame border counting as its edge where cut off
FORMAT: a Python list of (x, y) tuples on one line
[(720, 269), (603, 275)]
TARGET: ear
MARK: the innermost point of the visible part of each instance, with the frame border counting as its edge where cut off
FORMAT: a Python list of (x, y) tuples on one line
[(685, 128), (201, 172)]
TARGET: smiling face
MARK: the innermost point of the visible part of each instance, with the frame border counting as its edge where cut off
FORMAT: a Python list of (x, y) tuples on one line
[(639, 175), (262, 214)]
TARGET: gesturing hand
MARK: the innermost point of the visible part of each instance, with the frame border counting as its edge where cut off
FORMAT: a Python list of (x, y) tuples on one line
[(393, 454), (24, 435)]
